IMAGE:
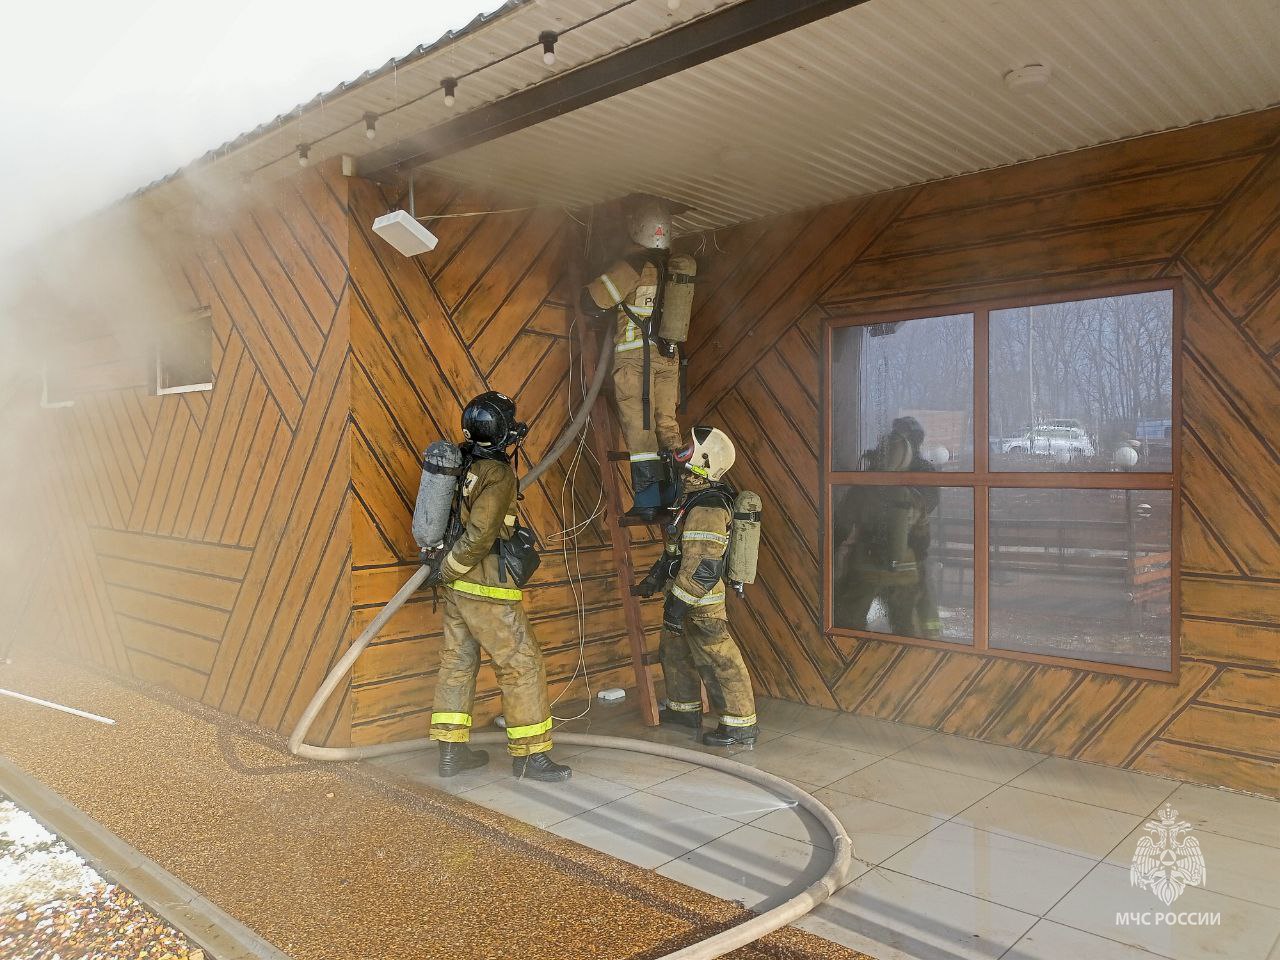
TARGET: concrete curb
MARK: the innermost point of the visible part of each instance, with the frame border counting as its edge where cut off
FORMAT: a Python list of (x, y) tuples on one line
[(221, 935)]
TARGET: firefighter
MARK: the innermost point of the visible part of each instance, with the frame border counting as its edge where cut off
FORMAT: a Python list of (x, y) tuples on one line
[(696, 643), (884, 554), (646, 366), (483, 609)]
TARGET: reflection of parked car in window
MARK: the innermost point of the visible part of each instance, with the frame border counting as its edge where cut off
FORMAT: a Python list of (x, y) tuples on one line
[(1058, 439)]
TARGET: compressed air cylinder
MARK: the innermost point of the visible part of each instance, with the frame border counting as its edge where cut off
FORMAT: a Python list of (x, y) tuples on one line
[(614, 285), (677, 298), (441, 468), (744, 538)]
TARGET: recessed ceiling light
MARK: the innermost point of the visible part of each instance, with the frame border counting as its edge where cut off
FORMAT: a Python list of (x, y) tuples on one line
[(1029, 77)]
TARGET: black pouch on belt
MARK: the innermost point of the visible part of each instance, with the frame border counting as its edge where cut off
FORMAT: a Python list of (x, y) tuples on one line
[(518, 556)]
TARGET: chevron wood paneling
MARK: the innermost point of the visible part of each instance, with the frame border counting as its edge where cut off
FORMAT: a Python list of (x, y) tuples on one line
[(1202, 205), (202, 541), (488, 309)]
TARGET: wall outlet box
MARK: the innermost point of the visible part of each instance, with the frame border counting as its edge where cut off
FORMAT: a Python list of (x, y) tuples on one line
[(404, 233), (613, 693)]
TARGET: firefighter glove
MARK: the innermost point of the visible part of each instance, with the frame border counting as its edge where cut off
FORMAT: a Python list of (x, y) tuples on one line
[(673, 613)]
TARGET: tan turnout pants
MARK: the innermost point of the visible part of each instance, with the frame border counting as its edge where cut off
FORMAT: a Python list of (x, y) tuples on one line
[(664, 397), (503, 631), (706, 650)]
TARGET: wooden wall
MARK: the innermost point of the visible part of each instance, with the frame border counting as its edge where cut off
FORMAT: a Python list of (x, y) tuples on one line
[(1201, 204), (201, 540), (487, 309)]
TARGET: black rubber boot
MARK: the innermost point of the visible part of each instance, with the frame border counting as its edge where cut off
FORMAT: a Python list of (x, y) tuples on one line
[(540, 767), (646, 477), (723, 736), (680, 718), (456, 757)]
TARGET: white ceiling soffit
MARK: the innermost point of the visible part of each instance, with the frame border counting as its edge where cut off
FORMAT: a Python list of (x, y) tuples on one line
[(408, 99), (891, 93)]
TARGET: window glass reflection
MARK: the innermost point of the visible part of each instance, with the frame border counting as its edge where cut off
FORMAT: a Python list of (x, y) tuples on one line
[(1083, 385), (1083, 574), (886, 374), (903, 561)]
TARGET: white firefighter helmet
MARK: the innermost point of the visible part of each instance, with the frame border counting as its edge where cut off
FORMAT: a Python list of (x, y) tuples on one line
[(649, 221), (710, 455)]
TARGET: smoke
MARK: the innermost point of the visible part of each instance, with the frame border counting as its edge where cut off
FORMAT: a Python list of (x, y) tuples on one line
[(96, 101)]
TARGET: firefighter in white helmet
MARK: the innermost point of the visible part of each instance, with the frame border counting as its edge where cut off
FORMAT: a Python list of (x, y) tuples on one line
[(696, 643), (646, 366)]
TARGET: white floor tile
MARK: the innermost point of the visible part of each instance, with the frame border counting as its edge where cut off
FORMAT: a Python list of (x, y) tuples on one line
[(1230, 814), (421, 767), (877, 830), (1014, 873), (1052, 941), (1233, 868), (754, 867), (972, 758), (722, 794), (635, 770), (645, 830), (894, 917), (935, 793), (544, 804), (1247, 930), (805, 761), (1063, 824), (1102, 786), (867, 734), (784, 716)]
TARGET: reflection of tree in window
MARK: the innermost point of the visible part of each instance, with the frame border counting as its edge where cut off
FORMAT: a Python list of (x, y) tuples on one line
[(1103, 367)]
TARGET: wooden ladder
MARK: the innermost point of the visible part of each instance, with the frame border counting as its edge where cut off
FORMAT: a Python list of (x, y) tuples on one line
[(601, 433)]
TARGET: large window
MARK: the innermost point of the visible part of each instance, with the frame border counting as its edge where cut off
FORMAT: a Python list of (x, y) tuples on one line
[(1000, 478)]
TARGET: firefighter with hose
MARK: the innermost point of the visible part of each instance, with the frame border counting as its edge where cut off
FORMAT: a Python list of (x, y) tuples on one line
[(483, 574)]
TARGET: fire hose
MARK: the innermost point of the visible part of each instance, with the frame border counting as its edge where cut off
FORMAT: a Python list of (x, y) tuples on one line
[(836, 875)]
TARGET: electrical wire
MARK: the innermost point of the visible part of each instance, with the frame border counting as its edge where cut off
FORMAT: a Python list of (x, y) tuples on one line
[(573, 532)]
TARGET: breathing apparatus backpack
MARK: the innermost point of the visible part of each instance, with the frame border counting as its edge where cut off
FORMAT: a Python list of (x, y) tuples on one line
[(743, 550), (434, 512)]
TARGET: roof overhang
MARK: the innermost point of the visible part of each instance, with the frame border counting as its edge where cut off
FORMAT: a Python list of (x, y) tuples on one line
[(742, 109)]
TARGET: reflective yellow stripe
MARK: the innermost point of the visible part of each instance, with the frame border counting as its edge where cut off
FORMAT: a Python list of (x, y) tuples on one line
[(689, 598), (640, 311), (642, 457), (464, 719), (480, 590), (682, 707), (451, 568), (704, 535), (700, 471), (532, 730), (738, 721), (612, 288), (682, 595), (630, 345)]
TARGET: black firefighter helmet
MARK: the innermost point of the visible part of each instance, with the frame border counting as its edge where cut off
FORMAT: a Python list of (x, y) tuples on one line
[(489, 422)]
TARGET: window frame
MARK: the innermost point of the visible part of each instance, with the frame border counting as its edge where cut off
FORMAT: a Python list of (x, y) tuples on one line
[(157, 371), (981, 479)]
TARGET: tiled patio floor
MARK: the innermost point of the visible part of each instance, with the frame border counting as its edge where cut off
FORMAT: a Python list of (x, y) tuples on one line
[(968, 849)]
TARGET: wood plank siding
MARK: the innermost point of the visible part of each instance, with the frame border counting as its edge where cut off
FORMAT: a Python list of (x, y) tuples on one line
[(229, 544), (201, 540), (487, 309), (1202, 205)]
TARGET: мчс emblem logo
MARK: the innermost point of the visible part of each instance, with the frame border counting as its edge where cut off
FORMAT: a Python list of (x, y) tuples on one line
[(1168, 859)]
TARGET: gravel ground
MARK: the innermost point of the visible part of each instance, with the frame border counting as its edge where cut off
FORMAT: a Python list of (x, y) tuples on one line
[(54, 905), (331, 862)]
